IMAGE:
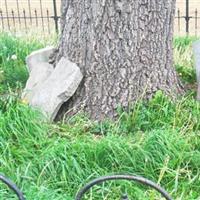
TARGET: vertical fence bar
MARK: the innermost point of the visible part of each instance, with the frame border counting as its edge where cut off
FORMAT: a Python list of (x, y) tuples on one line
[(41, 12), (48, 23), (2, 22), (55, 15), (25, 23), (196, 21), (187, 18), (36, 18), (19, 19), (7, 15), (179, 21), (29, 8), (13, 19)]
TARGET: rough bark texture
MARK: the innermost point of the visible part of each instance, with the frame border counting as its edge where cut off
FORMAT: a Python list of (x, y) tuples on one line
[(123, 48)]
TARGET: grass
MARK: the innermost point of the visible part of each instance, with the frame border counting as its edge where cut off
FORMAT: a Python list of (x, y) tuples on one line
[(184, 61), (14, 50), (159, 140)]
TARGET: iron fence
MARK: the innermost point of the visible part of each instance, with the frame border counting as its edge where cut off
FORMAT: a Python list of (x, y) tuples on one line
[(26, 15), (187, 24)]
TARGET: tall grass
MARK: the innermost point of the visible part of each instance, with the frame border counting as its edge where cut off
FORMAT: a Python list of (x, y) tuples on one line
[(183, 57), (60, 158), (14, 50), (159, 140)]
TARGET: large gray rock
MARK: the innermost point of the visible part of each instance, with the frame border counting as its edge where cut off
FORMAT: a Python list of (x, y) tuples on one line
[(196, 49), (36, 78), (47, 87), (57, 88), (39, 70)]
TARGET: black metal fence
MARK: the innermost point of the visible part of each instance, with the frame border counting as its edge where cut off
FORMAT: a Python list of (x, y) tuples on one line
[(186, 23), (28, 15), (43, 15)]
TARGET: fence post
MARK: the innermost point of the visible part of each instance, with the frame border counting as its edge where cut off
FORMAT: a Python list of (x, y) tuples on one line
[(55, 15), (187, 17), (7, 15), (179, 23), (19, 19), (196, 21), (1, 16), (41, 13), (30, 14)]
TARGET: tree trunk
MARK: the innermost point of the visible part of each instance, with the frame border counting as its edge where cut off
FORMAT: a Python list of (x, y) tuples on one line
[(123, 48)]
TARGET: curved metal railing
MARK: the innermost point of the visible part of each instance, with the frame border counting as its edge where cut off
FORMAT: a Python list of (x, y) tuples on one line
[(97, 181), (13, 187), (138, 179)]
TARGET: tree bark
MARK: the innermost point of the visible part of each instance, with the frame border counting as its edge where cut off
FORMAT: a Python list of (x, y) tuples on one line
[(124, 50)]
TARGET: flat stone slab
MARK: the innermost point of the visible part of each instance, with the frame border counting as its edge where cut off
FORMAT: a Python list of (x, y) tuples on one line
[(47, 87), (196, 49), (36, 78), (39, 70), (58, 88)]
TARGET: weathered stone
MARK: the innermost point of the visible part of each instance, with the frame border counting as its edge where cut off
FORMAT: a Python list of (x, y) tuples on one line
[(39, 56), (196, 49), (48, 88), (39, 70), (57, 88), (37, 76)]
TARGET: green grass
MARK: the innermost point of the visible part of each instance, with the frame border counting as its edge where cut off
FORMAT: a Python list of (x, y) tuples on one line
[(159, 140), (183, 57), (13, 72)]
